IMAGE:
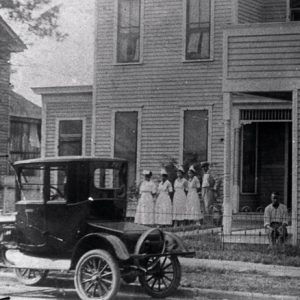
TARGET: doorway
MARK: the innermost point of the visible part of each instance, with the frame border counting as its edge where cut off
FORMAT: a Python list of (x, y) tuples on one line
[(266, 151)]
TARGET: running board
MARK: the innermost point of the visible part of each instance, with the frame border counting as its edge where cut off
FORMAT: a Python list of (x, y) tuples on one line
[(17, 259)]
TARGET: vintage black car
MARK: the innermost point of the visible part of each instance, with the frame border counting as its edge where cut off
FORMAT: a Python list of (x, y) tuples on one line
[(70, 215)]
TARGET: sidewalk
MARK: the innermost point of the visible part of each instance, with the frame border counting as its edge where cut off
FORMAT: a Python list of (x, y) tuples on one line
[(239, 266)]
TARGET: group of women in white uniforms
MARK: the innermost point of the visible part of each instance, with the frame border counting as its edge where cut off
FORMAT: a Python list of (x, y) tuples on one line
[(155, 205)]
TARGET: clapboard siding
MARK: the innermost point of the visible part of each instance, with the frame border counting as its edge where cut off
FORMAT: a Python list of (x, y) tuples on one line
[(66, 106), (275, 10), (264, 54), (4, 108), (162, 85), (297, 205), (259, 11), (250, 11)]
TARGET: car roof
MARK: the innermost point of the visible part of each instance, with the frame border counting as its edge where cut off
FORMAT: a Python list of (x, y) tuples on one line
[(65, 159)]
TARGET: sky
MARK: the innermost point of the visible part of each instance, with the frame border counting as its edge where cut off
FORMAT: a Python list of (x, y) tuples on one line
[(47, 62)]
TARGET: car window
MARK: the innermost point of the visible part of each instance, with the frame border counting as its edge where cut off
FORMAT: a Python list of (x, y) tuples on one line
[(58, 181), (106, 178), (30, 184)]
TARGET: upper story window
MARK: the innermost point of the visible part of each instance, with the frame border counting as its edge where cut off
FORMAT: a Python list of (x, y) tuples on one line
[(128, 31), (70, 137), (295, 10), (198, 29)]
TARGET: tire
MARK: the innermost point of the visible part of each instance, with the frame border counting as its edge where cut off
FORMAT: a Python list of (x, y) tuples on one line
[(31, 276), (162, 280), (97, 276)]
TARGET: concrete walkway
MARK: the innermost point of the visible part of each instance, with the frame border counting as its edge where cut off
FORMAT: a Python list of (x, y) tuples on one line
[(239, 266)]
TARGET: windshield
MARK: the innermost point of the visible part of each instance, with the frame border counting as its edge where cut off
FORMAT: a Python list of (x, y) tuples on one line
[(30, 184)]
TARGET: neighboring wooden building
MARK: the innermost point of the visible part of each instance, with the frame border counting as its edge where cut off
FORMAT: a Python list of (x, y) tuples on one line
[(9, 43), (214, 80)]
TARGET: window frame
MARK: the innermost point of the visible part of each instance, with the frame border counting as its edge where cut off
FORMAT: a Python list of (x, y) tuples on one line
[(184, 34), (83, 146), (207, 108), (289, 11), (115, 35), (139, 129)]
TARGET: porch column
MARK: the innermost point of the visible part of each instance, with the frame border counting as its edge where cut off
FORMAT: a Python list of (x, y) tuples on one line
[(236, 170), (295, 170), (227, 218)]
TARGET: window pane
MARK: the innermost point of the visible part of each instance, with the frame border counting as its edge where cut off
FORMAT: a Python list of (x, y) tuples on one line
[(128, 44), (70, 137), (194, 11), (126, 141), (198, 29), (195, 135), (58, 181), (70, 126), (31, 184), (124, 13)]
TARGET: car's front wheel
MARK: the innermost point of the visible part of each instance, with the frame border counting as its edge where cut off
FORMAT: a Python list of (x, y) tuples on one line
[(31, 276), (162, 276), (97, 276)]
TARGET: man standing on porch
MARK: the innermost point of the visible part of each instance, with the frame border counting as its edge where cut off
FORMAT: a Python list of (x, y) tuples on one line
[(276, 220)]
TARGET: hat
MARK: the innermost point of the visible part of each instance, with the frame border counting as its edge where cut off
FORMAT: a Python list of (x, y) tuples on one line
[(147, 172), (163, 172), (204, 164), (180, 168), (192, 169)]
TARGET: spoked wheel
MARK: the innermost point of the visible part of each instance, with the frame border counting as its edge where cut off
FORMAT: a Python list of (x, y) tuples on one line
[(97, 276), (162, 277), (31, 276)]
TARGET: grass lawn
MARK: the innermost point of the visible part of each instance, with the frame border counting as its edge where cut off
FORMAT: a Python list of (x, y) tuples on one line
[(210, 247), (244, 282)]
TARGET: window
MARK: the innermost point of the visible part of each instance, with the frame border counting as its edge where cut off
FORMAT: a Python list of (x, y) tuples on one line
[(128, 31), (30, 184), (195, 136), (58, 181), (70, 137), (25, 138), (295, 10), (198, 29), (126, 127)]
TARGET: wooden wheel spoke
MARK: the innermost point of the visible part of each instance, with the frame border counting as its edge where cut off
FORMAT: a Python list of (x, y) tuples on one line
[(155, 280), (151, 277), (167, 266), (89, 287), (86, 280), (167, 278), (164, 282), (103, 286), (94, 290), (159, 285), (103, 269), (106, 281), (164, 261), (106, 274)]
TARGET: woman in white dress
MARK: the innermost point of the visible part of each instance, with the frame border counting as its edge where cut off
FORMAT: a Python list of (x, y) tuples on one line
[(179, 200), (163, 206), (193, 209), (145, 208)]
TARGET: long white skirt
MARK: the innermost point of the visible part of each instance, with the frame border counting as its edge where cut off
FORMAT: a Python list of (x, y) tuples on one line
[(179, 205), (163, 209), (193, 209), (145, 210)]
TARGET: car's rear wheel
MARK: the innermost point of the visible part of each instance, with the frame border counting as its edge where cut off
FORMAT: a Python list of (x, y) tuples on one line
[(97, 276), (162, 277), (31, 276)]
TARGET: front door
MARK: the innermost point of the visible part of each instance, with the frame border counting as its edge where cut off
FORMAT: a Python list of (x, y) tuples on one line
[(265, 164)]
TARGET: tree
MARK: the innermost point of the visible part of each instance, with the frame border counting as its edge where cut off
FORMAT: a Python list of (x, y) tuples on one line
[(39, 16)]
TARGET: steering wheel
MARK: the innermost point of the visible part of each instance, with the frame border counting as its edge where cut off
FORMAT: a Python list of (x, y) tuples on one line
[(55, 193)]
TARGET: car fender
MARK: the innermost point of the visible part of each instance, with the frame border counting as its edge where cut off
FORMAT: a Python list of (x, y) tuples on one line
[(100, 241), (174, 243)]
